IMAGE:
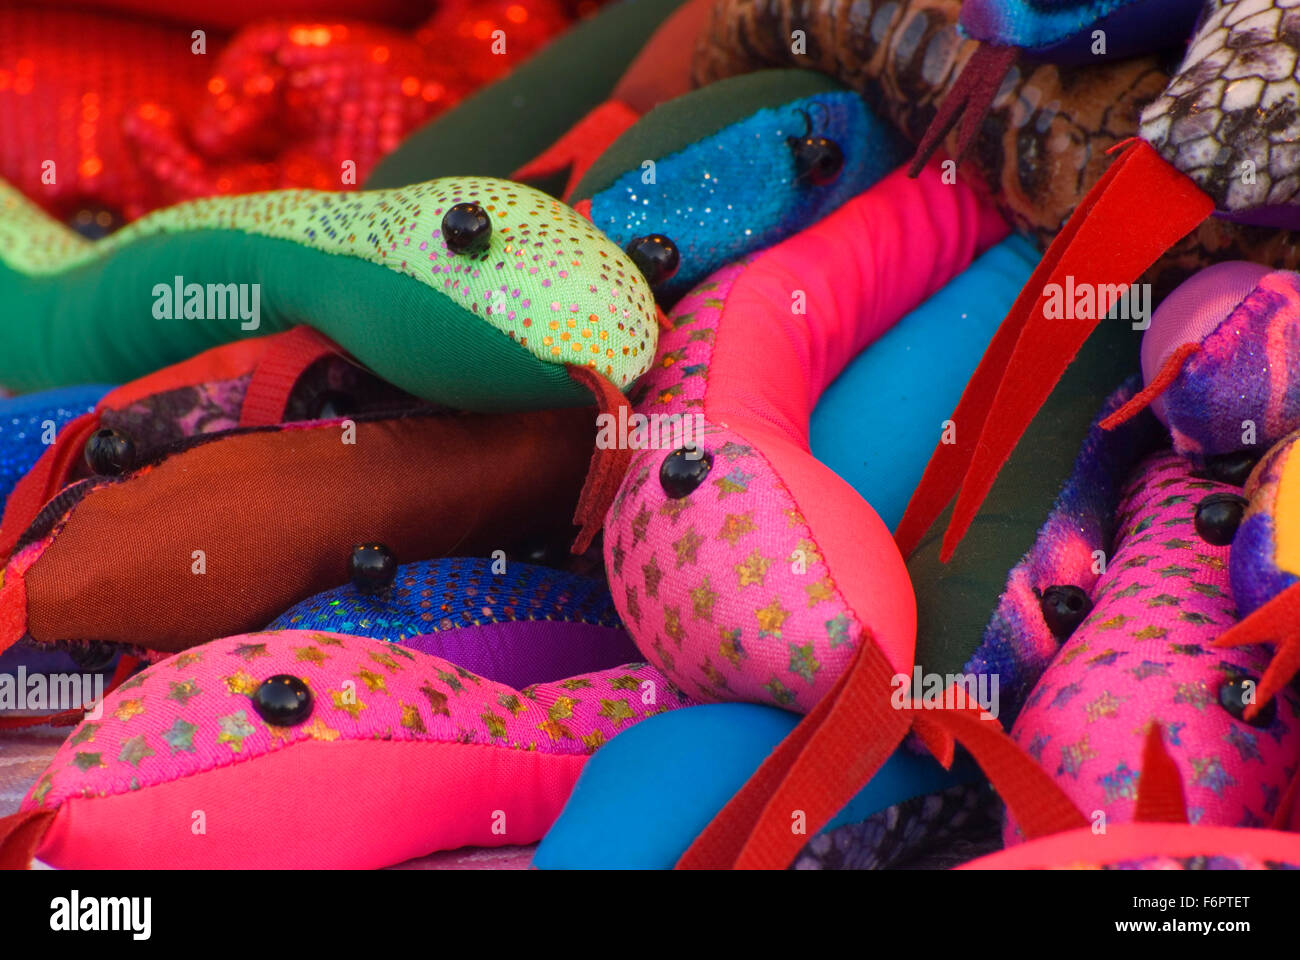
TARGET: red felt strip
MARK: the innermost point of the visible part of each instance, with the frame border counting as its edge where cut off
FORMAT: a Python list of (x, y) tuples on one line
[(1146, 191), (578, 149), (20, 837), (816, 769), (1160, 789), (286, 358), (607, 465), (949, 462), (46, 478), (1276, 623), (1039, 804), (1159, 384)]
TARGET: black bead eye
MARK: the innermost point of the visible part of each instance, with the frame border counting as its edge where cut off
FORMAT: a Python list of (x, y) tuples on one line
[(93, 657), (333, 404), (1234, 693), (1218, 516), (683, 470), (95, 223), (817, 160), (110, 453), (1233, 468), (1064, 608), (655, 256), (466, 228), (372, 567), (283, 700)]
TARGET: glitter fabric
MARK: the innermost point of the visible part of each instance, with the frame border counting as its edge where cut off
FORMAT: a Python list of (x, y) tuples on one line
[(547, 278), (736, 191), (140, 119), (26, 423), (455, 592)]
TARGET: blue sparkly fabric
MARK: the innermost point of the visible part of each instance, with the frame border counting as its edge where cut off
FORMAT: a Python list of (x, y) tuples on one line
[(23, 421), (453, 592), (1061, 31), (735, 191)]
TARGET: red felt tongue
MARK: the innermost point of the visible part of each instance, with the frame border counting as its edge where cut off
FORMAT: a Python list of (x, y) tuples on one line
[(1275, 622), (1139, 209), (1160, 789), (969, 100)]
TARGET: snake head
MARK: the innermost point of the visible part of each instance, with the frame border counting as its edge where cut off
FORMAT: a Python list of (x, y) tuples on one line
[(1228, 119)]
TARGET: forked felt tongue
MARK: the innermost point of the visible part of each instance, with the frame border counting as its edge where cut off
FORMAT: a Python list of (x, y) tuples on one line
[(1161, 382), (608, 465), (578, 149), (969, 100), (1160, 787), (20, 837), (1276, 622), (1140, 208)]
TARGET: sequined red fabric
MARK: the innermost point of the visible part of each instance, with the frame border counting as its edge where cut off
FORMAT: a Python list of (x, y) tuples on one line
[(104, 117)]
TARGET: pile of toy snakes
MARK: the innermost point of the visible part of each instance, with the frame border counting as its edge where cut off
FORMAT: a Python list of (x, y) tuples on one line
[(653, 434)]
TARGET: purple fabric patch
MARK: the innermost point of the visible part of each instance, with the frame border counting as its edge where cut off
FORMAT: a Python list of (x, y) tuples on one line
[(520, 653)]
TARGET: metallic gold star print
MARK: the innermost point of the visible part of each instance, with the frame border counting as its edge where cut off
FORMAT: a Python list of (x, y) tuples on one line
[(735, 526), (511, 703), (619, 556), (731, 450), (185, 691), (737, 481), (802, 662), (250, 651), (793, 518), (640, 524), (753, 570), (1106, 705), (819, 592), (317, 730), (809, 550), (240, 683), (451, 680), (729, 645), (437, 699), (373, 681), (652, 575), (576, 683), (616, 711), (555, 730), (673, 509), (687, 547), (180, 736), (495, 723), (128, 709), (411, 717), (1073, 652), (87, 761), (665, 658), (235, 729), (348, 702), (594, 741), (384, 660), (633, 605), (779, 692), (702, 599), (562, 708), (326, 640), (84, 734), (771, 617), (713, 675), (309, 654), (624, 682), (186, 659), (673, 625), (42, 789)]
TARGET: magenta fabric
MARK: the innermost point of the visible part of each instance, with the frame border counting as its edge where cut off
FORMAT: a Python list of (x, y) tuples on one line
[(1145, 654), (427, 751), (760, 584)]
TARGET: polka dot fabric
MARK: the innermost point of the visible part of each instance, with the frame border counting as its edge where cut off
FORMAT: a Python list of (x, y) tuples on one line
[(451, 593), (547, 278)]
